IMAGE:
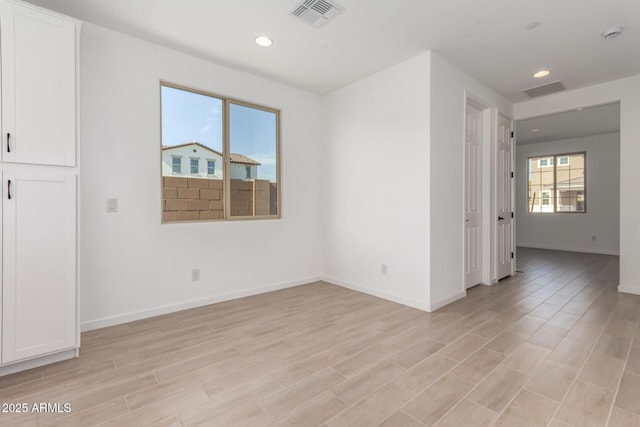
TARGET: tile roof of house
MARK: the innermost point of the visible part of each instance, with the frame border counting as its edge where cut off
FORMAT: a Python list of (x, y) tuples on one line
[(241, 158), (234, 157)]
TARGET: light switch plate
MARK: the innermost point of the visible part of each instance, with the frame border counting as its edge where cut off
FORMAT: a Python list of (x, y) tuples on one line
[(112, 205)]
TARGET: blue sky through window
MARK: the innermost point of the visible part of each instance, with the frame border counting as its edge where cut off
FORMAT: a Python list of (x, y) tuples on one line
[(253, 133)]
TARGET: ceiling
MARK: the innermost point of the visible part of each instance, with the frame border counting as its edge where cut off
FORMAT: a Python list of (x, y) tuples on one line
[(487, 39), (597, 120)]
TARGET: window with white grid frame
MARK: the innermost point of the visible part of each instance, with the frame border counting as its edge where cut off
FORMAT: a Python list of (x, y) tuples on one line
[(176, 165), (557, 183)]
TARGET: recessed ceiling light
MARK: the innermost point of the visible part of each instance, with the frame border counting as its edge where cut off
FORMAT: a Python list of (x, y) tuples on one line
[(541, 73), (535, 130), (264, 41)]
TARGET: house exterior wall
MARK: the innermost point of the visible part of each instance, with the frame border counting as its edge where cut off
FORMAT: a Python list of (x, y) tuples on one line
[(189, 152), (239, 171), (185, 154)]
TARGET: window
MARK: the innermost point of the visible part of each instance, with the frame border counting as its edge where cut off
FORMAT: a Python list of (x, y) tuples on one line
[(545, 197), (240, 143), (560, 188), (547, 162), (176, 165)]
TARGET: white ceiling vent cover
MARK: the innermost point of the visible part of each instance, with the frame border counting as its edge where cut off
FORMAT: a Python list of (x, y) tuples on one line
[(316, 13), (545, 89)]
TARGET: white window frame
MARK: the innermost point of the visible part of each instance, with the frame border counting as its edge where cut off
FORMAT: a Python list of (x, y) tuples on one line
[(549, 162), (545, 194), (173, 165), (191, 160)]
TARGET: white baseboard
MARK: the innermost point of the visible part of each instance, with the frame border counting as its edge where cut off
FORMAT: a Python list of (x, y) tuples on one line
[(446, 301), (118, 319), (629, 289), (569, 249), (410, 302), (37, 362)]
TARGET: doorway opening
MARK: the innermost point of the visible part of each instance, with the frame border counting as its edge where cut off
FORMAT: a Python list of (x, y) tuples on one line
[(568, 180)]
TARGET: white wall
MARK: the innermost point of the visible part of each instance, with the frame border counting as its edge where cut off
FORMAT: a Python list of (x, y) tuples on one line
[(387, 153), (627, 91), (377, 172), (449, 90), (573, 232), (133, 266), (396, 147)]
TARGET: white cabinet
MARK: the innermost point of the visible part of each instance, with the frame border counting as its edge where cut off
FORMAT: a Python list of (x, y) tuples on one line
[(38, 52), (39, 173), (39, 263)]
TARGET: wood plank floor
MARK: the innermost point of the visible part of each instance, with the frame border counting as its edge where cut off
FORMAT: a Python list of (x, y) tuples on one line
[(555, 345)]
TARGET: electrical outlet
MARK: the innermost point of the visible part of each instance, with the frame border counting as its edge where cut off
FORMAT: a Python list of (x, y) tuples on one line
[(195, 275), (383, 269)]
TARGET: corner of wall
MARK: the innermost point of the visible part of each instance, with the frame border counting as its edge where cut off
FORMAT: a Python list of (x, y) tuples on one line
[(389, 296), (446, 301), (634, 290)]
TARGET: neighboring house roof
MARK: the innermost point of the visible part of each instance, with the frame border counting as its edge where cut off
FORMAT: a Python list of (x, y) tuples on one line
[(186, 144), (234, 158), (241, 158)]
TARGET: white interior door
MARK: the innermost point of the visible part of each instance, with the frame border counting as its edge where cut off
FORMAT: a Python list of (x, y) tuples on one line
[(504, 199), (473, 197)]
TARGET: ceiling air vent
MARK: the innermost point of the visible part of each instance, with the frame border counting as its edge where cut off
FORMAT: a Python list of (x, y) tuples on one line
[(316, 13), (544, 90)]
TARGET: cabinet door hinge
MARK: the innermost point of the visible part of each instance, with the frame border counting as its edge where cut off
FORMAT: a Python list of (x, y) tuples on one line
[(511, 174), (511, 134), (511, 214), (511, 255)]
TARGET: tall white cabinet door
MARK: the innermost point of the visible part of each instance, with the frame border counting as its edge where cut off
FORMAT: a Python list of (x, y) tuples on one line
[(39, 266), (38, 86)]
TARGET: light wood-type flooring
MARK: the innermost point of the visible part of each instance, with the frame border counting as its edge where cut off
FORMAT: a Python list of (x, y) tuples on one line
[(555, 345)]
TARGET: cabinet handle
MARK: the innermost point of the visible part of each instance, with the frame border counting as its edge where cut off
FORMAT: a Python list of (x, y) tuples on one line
[(8, 146), (9, 189)]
